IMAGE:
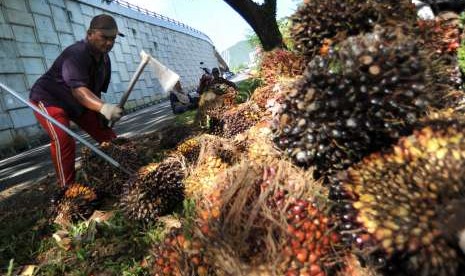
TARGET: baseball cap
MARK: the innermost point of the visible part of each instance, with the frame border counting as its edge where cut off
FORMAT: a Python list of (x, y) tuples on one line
[(106, 24)]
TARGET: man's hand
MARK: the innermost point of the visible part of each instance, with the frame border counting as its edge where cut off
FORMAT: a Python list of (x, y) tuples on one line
[(112, 112)]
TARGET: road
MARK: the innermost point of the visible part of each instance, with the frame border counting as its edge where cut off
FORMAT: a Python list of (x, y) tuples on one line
[(32, 166)]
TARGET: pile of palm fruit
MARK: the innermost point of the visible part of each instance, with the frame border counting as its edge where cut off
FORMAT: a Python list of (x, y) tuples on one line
[(104, 177), (154, 191), (353, 104), (77, 202)]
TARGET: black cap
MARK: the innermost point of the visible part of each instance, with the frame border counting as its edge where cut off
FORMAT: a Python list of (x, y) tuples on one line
[(106, 24)]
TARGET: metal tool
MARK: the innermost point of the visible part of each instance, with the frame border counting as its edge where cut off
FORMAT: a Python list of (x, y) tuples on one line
[(165, 76), (145, 60), (67, 130)]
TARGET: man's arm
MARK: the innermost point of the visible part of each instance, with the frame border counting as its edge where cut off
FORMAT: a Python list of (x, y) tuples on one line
[(89, 100)]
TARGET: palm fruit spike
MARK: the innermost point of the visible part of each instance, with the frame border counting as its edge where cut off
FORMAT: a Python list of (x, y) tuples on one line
[(317, 21), (154, 192), (190, 149), (389, 203), (103, 176), (180, 255), (357, 100), (77, 203)]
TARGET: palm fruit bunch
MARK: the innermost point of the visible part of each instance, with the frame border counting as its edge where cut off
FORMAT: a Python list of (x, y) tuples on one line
[(180, 254), (280, 63), (171, 136), (252, 217), (237, 120), (190, 149), (78, 202), (389, 203), (155, 191), (216, 154), (260, 148), (103, 176), (261, 95), (212, 105), (318, 23), (356, 100)]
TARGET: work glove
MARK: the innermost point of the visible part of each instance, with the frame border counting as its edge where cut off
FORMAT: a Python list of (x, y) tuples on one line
[(112, 112)]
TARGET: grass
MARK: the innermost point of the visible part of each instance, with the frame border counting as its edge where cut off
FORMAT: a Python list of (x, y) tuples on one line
[(246, 89), (186, 118)]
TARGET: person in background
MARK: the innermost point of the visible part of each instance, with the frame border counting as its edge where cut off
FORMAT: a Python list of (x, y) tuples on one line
[(181, 101), (71, 91), (216, 79)]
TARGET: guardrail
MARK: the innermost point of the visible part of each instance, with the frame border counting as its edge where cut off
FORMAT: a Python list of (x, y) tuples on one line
[(151, 13)]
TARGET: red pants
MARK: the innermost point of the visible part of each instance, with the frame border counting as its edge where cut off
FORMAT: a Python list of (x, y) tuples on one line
[(63, 146)]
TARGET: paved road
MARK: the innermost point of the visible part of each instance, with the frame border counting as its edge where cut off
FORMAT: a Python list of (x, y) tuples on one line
[(24, 169)]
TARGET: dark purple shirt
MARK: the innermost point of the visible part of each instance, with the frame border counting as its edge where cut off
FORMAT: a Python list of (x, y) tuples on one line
[(74, 67)]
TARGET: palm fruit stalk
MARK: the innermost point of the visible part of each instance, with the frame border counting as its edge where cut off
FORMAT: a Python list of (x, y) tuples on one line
[(104, 177), (320, 22), (389, 204), (357, 100), (77, 203), (154, 192), (180, 254)]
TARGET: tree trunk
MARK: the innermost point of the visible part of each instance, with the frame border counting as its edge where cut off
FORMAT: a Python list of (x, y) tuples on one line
[(262, 19)]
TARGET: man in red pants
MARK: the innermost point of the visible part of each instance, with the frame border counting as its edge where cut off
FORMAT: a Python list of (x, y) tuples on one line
[(70, 91)]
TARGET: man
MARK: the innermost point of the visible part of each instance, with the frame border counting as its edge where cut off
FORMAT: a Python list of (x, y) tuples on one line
[(203, 86), (70, 91), (180, 102)]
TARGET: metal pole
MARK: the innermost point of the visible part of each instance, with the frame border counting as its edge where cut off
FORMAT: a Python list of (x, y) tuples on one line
[(145, 60), (135, 77), (64, 128)]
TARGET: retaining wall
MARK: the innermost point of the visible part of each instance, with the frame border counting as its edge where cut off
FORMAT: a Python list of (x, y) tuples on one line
[(34, 32)]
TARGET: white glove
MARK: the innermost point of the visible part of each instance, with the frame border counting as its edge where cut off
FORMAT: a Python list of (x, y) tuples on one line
[(111, 111)]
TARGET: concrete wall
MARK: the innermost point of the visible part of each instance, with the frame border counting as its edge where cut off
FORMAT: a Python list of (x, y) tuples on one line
[(34, 32)]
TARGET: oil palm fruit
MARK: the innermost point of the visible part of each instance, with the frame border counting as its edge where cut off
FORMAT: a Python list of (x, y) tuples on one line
[(216, 154), (258, 211), (317, 21), (358, 99), (180, 254), (104, 177), (77, 203), (190, 149), (311, 240), (212, 105), (389, 204), (280, 63), (237, 120), (154, 192)]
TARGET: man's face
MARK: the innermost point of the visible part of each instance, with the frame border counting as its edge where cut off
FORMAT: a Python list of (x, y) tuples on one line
[(101, 42)]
